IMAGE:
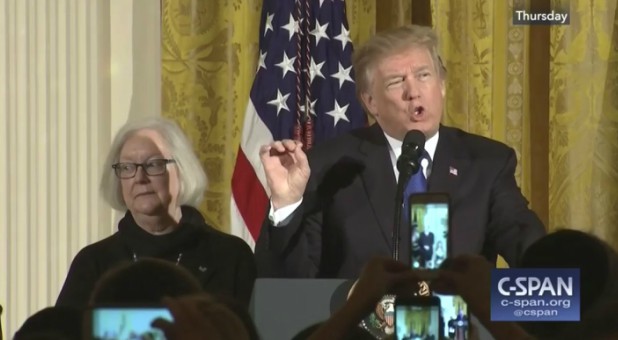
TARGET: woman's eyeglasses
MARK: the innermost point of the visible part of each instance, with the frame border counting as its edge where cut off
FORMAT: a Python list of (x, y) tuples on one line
[(153, 167)]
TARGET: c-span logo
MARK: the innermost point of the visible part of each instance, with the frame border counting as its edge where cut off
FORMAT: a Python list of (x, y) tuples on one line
[(535, 294)]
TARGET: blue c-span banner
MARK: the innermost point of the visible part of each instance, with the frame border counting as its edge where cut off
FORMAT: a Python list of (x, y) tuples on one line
[(526, 294)]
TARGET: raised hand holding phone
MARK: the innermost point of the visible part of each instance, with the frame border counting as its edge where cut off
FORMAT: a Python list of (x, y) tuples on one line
[(200, 317)]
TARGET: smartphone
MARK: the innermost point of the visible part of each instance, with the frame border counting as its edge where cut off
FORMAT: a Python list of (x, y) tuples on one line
[(125, 322), (417, 317), (455, 320), (429, 229)]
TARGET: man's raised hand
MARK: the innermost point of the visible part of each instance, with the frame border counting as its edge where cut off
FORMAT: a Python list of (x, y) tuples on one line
[(287, 171)]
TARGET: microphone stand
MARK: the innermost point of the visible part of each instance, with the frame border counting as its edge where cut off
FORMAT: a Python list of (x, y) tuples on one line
[(401, 182), (407, 166)]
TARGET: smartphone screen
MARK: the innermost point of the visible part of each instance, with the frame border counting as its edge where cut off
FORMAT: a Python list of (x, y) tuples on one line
[(127, 322), (455, 319), (417, 318), (429, 223)]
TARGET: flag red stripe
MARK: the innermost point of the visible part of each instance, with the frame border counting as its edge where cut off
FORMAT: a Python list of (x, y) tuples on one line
[(249, 194)]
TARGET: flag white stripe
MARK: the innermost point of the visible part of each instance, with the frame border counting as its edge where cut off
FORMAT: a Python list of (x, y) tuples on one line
[(255, 134), (238, 226)]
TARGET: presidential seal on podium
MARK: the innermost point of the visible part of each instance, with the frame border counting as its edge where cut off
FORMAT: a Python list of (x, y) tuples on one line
[(381, 322)]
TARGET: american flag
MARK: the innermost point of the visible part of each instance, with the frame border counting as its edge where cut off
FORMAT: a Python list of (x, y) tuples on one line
[(303, 89)]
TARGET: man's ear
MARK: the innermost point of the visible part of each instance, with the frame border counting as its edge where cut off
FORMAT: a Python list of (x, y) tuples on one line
[(370, 104), (443, 88)]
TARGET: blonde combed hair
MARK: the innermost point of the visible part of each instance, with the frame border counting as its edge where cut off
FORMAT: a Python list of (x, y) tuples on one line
[(390, 42)]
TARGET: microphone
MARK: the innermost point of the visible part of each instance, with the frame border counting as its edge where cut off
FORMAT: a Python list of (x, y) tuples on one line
[(411, 152), (408, 164)]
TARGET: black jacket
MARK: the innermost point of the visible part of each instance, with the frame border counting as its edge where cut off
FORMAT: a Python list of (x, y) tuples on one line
[(223, 263), (347, 213)]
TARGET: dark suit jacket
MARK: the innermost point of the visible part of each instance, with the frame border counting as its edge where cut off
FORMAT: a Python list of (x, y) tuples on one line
[(426, 240), (347, 212)]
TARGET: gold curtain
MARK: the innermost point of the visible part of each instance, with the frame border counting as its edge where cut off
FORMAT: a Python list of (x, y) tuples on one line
[(487, 90), (209, 57), (486, 58), (547, 91), (365, 17), (583, 114), (419, 212), (418, 321)]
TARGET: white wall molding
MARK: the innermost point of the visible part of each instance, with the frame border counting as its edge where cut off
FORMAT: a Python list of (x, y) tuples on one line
[(64, 91)]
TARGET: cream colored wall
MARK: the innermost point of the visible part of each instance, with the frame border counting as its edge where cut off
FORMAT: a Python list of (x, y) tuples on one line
[(71, 73)]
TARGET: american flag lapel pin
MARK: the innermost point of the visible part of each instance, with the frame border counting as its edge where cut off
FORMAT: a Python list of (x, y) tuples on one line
[(452, 171)]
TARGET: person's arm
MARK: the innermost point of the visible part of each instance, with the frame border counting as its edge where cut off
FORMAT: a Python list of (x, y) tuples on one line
[(380, 276), (198, 317), (341, 323), (293, 250), (469, 276), (292, 247), (80, 281), (512, 226)]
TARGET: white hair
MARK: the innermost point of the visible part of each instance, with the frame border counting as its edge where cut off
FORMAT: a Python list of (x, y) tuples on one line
[(191, 175)]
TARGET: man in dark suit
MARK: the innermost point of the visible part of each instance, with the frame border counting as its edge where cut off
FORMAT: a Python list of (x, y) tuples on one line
[(426, 241), (332, 209)]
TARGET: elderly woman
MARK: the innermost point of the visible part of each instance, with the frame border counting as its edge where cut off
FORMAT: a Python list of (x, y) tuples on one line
[(152, 173)]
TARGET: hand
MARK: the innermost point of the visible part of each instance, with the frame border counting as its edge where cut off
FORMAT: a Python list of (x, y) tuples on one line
[(470, 277), (287, 171), (383, 276), (199, 317), (380, 277)]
